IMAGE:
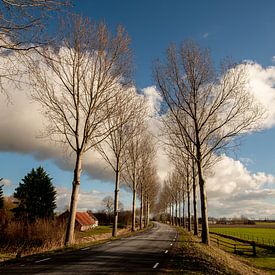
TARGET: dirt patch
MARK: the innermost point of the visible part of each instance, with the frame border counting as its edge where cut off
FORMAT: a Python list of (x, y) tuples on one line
[(192, 257)]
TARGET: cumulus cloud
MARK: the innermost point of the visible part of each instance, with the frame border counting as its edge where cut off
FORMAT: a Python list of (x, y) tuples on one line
[(262, 86), (153, 97), (233, 190), (87, 200)]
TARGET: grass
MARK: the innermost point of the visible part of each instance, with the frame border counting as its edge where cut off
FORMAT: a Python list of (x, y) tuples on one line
[(265, 259), (101, 229), (259, 235), (92, 237), (193, 257)]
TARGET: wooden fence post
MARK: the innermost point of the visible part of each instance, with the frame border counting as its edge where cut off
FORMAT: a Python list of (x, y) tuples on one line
[(254, 248)]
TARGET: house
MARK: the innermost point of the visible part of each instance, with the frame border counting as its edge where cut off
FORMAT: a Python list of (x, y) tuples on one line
[(93, 217), (83, 220)]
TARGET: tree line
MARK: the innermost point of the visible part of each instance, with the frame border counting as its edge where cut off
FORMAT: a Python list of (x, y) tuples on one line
[(83, 80)]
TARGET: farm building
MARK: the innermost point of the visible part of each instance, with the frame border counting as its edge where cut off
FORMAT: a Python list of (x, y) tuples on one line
[(83, 220)]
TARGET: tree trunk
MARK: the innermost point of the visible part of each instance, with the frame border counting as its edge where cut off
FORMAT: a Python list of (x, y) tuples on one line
[(195, 200), (134, 209), (148, 212), (69, 238), (179, 209), (183, 204), (172, 213), (114, 233), (141, 208), (188, 207), (176, 212), (204, 215)]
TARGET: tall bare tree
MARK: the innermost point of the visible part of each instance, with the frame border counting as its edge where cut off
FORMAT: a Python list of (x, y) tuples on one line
[(23, 23), (210, 109), (133, 161), (77, 84), (146, 176), (131, 108)]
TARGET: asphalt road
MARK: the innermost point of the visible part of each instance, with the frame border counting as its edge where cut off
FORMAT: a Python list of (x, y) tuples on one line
[(144, 253)]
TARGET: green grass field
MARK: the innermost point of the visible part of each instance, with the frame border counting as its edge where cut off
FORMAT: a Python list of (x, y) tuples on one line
[(259, 235), (101, 229), (263, 233)]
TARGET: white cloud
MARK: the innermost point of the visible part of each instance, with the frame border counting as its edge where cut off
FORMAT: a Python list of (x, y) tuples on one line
[(273, 59), (153, 97), (205, 35), (87, 200), (233, 190), (262, 86)]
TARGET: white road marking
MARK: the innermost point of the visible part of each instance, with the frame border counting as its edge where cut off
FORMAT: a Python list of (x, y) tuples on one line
[(108, 242), (86, 248), (42, 260), (166, 251), (174, 240), (22, 265), (155, 266), (171, 244)]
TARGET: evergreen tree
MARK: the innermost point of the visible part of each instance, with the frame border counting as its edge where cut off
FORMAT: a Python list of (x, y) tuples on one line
[(36, 196), (1, 196)]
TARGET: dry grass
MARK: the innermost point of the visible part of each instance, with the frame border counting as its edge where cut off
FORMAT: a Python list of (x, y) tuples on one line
[(20, 239)]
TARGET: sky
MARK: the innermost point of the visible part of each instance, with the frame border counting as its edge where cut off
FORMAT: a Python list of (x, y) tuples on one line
[(244, 181)]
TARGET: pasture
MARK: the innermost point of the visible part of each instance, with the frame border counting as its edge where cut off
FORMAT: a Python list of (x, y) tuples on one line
[(261, 233), (257, 234)]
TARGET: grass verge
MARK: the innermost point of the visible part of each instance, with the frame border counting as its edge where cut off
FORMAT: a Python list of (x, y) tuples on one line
[(92, 238), (193, 257)]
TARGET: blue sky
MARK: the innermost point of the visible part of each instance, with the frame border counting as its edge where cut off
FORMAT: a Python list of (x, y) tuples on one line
[(242, 30)]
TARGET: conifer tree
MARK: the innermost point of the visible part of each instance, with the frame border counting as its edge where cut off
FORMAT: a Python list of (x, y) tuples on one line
[(36, 196)]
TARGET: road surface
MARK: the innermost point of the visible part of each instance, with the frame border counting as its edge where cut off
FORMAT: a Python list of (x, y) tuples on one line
[(144, 253)]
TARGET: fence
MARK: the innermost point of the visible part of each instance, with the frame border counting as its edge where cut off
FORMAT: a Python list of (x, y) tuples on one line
[(236, 247), (248, 237)]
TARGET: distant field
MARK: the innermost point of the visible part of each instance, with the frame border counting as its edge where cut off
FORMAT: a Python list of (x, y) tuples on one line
[(257, 234)]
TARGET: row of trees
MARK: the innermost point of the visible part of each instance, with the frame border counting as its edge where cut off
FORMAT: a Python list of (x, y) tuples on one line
[(83, 81), (206, 110)]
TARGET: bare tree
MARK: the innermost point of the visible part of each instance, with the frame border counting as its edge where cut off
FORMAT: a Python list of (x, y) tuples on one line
[(77, 84), (146, 177), (210, 109), (130, 108), (133, 161), (23, 23)]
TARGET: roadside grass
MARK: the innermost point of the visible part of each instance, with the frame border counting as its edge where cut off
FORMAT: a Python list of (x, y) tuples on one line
[(259, 235), (193, 257), (101, 229), (8, 258), (265, 259)]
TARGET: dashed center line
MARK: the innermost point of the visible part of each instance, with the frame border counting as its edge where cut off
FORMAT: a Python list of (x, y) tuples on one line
[(171, 244), (156, 265), (86, 248), (166, 251), (43, 260)]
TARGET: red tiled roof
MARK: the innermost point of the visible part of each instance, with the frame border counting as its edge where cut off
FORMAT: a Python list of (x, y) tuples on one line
[(84, 218)]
